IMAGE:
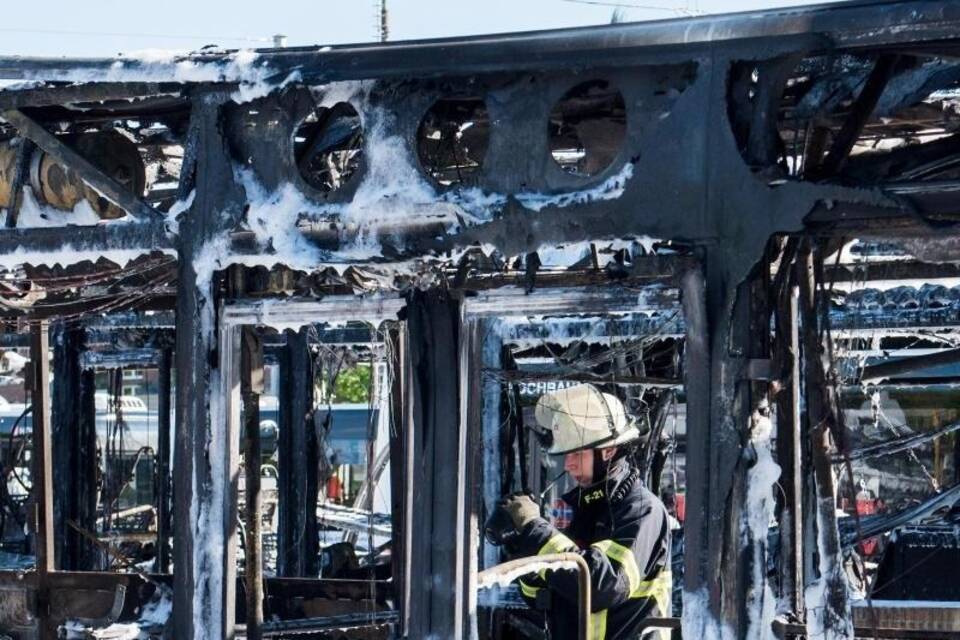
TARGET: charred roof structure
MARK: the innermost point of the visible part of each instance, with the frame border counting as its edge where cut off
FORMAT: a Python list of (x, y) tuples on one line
[(743, 224)]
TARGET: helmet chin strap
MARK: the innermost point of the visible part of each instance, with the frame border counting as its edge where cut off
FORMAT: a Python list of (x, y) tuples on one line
[(600, 467)]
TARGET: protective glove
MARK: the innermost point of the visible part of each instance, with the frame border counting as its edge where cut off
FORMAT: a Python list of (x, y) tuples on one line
[(509, 517), (499, 529), (522, 509)]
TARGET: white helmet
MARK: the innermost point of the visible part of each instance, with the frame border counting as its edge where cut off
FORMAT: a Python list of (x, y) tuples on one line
[(582, 417)]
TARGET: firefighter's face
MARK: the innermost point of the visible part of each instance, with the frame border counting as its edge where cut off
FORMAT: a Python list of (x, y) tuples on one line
[(579, 464)]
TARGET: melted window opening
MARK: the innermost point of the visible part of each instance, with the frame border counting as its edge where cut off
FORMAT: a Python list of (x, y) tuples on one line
[(328, 146), (452, 141), (587, 128)]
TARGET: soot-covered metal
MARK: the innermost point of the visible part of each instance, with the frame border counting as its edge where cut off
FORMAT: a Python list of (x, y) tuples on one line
[(301, 301)]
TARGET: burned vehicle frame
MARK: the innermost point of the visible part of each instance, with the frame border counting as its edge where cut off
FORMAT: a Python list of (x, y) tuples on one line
[(417, 182)]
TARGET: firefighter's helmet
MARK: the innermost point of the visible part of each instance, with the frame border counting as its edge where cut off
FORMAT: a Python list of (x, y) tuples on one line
[(583, 417)]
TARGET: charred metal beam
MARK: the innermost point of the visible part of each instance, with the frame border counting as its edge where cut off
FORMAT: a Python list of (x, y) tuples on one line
[(120, 358), (100, 338), (298, 546), (204, 504), (132, 320), (763, 142), (866, 323), (860, 112), (301, 311), (344, 621), (486, 401), (87, 92), (645, 271), (286, 589), (785, 630), (438, 474), (251, 386), (903, 366), (21, 171), (822, 427), (789, 446), (163, 479), (922, 187), (118, 242), (896, 445), (42, 475), (533, 331), (878, 525), (698, 385), (110, 188), (88, 455), (910, 162), (857, 26), (515, 375), (74, 448), (159, 298), (558, 300), (864, 273), (400, 467), (740, 412)]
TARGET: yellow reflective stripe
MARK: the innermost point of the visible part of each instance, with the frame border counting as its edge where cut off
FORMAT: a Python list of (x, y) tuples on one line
[(527, 590), (598, 625), (661, 590), (557, 544), (625, 558), (662, 582)]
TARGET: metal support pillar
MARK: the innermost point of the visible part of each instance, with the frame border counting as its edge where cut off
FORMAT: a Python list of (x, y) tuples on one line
[(470, 448), (697, 382), (718, 411), (74, 449), (90, 559), (42, 474), (753, 414), (490, 421), (399, 468), (438, 467), (823, 425), (298, 546), (163, 480), (251, 386), (731, 398), (204, 525), (789, 449)]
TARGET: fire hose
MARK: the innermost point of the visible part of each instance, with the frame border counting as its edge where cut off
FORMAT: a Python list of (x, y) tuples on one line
[(504, 573)]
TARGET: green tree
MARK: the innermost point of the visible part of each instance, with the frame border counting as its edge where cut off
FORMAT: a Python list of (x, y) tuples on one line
[(353, 385)]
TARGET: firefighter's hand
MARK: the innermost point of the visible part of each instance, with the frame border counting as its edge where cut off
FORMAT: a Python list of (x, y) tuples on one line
[(522, 509), (499, 529)]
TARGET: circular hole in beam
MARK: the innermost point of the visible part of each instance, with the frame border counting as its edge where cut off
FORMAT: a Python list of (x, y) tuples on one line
[(328, 146), (452, 140), (587, 128)]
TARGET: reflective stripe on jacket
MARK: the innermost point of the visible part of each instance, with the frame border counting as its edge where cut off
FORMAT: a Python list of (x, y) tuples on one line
[(623, 533)]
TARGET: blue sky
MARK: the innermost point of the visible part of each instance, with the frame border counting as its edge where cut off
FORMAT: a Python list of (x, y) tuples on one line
[(108, 27)]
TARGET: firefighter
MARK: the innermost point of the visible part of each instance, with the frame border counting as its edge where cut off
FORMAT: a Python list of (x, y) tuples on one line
[(619, 527)]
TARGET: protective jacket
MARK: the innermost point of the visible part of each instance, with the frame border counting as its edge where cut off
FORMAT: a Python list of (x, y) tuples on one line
[(623, 533)]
